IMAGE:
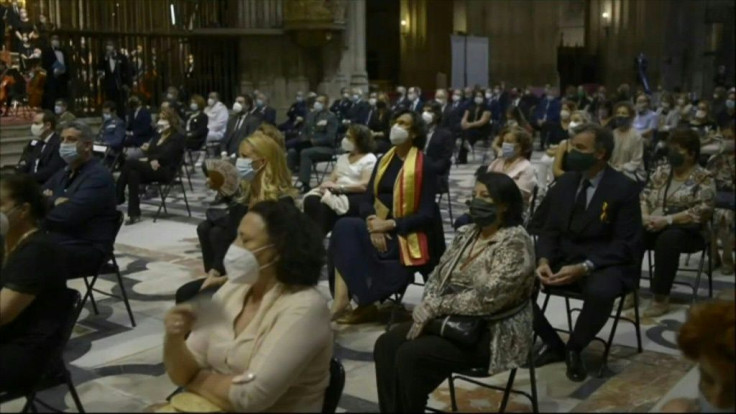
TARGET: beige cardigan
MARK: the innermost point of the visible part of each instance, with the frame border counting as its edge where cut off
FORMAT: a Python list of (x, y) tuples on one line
[(287, 347)]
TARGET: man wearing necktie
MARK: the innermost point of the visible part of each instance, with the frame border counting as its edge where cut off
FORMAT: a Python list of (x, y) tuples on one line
[(55, 61), (591, 244)]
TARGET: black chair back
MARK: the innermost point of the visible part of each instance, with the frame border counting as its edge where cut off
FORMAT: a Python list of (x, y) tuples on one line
[(335, 387)]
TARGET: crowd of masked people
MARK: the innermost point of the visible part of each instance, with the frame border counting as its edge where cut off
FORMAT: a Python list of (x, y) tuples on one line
[(624, 174)]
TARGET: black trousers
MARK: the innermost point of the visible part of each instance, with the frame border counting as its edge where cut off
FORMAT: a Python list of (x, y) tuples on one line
[(215, 239), (408, 371), (600, 289), (326, 217), (668, 245), (81, 260), (134, 174), (20, 366)]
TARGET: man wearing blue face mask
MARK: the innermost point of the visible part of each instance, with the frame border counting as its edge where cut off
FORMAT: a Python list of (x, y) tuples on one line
[(81, 198), (268, 114), (112, 132), (41, 157)]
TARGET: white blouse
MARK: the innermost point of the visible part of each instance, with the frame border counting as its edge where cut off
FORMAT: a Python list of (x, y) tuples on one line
[(351, 174)]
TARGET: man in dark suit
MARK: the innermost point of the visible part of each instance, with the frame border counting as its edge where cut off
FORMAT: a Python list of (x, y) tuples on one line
[(81, 198), (360, 113), (116, 82), (55, 61), (401, 101), (414, 97), (440, 143), (296, 115), (244, 121), (591, 242), (546, 115), (341, 107), (41, 157), (268, 114), (317, 142), (452, 116), (138, 122)]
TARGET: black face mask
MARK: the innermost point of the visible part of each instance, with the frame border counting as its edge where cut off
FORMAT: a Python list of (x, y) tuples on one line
[(380, 104), (621, 121), (675, 158), (482, 212)]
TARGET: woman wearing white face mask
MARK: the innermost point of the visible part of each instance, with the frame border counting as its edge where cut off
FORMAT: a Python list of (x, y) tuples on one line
[(31, 285), (400, 231), (263, 343), (196, 125), (341, 194), (262, 175), (474, 125), (162, 158)]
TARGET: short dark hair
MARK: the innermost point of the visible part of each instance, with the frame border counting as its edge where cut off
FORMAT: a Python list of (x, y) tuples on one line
[(297, 240), (49, 117), (248, 99), (603, 137), (418, 126), (23, 188), (629, 107), (436, 109), (109, 105), (504, 191), (62, 101), (523, 138), (687, 139), (363, 138)]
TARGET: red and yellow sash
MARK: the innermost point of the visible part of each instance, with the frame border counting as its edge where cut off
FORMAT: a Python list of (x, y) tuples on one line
[(414, 247)]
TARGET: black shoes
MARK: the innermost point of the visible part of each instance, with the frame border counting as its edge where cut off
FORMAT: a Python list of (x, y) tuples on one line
[(575, 367), (548, 355), (132, 220)]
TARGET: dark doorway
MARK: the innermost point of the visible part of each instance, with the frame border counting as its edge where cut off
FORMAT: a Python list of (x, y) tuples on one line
[(383, 41)]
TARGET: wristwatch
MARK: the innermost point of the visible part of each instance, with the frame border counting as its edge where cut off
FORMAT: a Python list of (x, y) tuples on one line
[(588, 266), (669, 220)]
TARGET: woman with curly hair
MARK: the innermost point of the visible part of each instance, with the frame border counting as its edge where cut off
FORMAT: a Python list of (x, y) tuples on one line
[(269, 348)]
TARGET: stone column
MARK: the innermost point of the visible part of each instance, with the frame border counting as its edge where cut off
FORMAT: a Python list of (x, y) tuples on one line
[(356, 38)]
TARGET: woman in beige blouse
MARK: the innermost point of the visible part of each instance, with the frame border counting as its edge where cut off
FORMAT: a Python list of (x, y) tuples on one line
[(487, 272), (263, 343), (516, 146), (628, 151), (676, 205)]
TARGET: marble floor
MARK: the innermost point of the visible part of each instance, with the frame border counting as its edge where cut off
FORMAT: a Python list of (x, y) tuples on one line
[(117, 368)]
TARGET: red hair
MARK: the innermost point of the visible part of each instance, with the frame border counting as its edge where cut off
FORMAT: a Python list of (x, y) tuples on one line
[(710, 333)]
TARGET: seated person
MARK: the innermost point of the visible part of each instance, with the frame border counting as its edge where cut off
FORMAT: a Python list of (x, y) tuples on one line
[(272, 298), (317, 142), (591, 241), (440, 145), (41, 157), (139, 127), (475, 125), (112, 131), (30, 285), (263, 176), (244, 120), (379, 123), (399, 231), (195, 126), (645, 121), (628, 153), (163, 157), (553, 164), (723, 168), (61, 110), (676, 204), (267, 113), (707, 338), (274, 133), (487, 271), (217, 119), (295, 117), (514, 162), (342, 193), (81, 197)]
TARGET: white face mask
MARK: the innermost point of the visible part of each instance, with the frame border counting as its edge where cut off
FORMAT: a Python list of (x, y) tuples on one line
[(241, 264), (36, 130), (478, 100), (372, 101), (428, 117), (210, 102), (347, 145), (318, 106), (412, 96), (700, 114), (455, 98), (162, 125), (574, 124), (398, 135), (440, 100), (194, 107), (489, 95), (237, 107), (565, 114)]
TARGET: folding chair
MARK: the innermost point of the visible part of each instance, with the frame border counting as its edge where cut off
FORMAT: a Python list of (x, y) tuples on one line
[(335, 387), (164, 188), (56, 372), (329, 166), (445, 191), (110, 263)]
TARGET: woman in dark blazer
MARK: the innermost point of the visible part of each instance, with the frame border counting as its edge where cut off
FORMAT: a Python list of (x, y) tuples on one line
[(475, 125), (163, 156), (400, 231), (195, 127), (379, 124)]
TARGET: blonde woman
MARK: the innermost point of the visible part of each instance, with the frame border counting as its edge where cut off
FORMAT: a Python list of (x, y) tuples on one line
[(261, 168)]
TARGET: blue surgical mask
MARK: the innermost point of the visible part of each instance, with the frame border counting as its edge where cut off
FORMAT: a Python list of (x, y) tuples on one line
[(57, 109), (259, 103), (68, 152), (508, 150), (245, 169)]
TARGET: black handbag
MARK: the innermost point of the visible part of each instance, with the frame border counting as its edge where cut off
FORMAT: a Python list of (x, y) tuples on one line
[(461, 329)]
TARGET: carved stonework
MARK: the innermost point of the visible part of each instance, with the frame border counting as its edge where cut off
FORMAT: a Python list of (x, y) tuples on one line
[(301, 12), (312, 23)]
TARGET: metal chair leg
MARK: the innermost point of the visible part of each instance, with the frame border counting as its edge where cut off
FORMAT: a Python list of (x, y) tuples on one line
[(637, 321), (453, 400), (651, 264), (449, 206), (533, 383), (89, 294), (507, 392), (569, 315), (696, 287), (186, 202), (122, 289), (609, 344), (73, 392)]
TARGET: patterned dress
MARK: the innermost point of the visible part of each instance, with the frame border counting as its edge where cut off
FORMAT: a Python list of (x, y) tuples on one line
[(500, 278), (696, 195), (723, 168)]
